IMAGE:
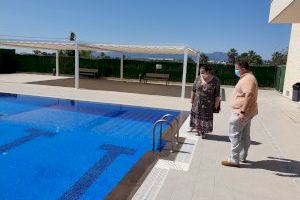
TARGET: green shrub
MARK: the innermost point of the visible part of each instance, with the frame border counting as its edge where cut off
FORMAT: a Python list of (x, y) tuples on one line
[(7, 61)]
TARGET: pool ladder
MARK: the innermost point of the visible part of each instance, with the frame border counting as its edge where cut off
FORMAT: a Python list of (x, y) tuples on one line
[(160, 122)]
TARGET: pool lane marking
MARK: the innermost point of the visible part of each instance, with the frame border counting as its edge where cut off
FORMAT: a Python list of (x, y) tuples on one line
[(34, 133), (99, 121), (85, 182)]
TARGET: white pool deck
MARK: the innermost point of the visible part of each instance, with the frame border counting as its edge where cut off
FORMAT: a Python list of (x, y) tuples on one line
[(274, 171), (16, 83)]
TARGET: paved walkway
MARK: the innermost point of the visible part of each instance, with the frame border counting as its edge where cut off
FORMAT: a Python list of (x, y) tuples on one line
[(28, 77), (274, 170)]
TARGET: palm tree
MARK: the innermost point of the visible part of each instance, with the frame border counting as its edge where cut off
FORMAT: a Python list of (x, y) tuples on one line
[(36, 52), (251, 54), (279, 58), (72, 36), (251, 57), (203, 58), (254, 58), (232, 55), (102, 55)]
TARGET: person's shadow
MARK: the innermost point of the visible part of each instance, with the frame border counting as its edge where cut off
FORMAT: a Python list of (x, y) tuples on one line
[(281, 166), (224, 138)]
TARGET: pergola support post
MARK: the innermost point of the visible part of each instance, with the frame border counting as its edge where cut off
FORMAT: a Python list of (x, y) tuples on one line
[(185, 58), (57, 63), (76, 66), (197, 65), (122, 67)]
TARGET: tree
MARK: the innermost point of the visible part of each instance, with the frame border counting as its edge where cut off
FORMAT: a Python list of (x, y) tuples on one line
[(37, 52), (243, 56), (86, 54), (72, 36), (190, 60), (63, 53), (251, 57), (254, 58), (279, 58), (203, 58), (232, 55), (42, 53), (102, 55)]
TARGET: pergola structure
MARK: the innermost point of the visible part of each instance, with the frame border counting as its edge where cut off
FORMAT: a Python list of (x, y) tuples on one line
[(77, 46)]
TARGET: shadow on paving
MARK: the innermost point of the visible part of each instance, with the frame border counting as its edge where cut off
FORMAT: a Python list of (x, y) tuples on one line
[(223, 138), (281, 166), (123, 86), (120, 86)]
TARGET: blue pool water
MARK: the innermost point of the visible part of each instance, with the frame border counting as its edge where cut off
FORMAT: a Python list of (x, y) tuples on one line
[(64, 149)]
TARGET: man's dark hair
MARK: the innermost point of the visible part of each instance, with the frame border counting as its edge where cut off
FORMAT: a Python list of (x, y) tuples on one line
[(243, 64), (207, 68)]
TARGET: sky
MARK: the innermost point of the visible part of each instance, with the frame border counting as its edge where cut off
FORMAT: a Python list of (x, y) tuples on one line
[(206, 25)]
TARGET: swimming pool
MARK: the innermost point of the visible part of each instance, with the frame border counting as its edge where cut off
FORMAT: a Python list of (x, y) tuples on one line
[(65, 149)]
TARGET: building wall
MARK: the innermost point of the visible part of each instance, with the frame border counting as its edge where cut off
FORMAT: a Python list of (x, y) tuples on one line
[(277, 7), (292, 74)]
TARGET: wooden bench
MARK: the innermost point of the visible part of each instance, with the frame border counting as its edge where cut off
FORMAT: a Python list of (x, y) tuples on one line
[(155, 76), (88, 72)]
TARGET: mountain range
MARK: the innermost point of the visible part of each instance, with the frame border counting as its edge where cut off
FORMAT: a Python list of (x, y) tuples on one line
[(215, 56), (218, 56)]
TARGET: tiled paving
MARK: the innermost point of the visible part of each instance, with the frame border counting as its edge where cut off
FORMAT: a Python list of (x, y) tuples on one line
[(274, 168)]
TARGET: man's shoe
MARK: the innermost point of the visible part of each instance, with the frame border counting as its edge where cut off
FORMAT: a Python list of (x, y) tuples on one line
[(229, 164), (203, 135), (244, 161)]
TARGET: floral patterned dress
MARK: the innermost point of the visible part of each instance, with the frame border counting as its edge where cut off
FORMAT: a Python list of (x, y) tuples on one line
[(203, 105)]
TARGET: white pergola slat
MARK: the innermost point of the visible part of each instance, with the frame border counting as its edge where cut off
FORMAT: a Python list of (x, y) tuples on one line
[(43, 44), (146, 49), (77, 46)]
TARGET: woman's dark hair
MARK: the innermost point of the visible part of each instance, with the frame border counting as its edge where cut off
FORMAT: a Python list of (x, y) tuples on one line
[(243, 64), (207, 68)]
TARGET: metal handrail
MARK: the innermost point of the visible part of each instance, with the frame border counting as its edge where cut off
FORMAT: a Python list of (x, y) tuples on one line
[(161, 121), (177, 124)]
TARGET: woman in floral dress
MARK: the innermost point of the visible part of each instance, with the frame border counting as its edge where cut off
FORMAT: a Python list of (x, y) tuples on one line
[(205, 98)]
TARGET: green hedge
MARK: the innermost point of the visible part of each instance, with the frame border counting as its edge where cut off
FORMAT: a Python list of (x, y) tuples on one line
[(32, 63), (132, 68), (7, 61)]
